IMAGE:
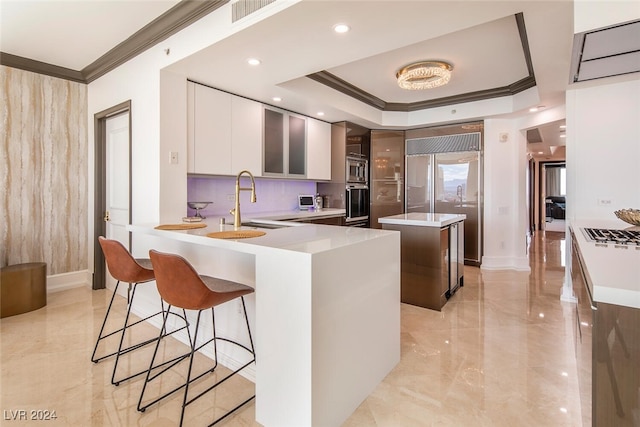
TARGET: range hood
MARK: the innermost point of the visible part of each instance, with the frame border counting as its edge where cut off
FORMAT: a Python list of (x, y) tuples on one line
[(606, 52)]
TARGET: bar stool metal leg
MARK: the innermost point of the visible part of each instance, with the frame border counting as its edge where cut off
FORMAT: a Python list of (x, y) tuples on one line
[(198, 293)]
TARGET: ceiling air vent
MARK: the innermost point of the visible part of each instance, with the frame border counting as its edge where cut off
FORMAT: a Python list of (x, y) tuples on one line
[(533, 136), (243, 8), (444, 144), (606, 52)]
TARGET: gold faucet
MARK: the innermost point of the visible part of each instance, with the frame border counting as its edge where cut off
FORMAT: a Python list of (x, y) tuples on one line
[(236, 211)]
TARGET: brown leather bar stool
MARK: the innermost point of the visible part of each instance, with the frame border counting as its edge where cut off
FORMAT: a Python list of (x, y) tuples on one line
[(182, 287), (124, 268)]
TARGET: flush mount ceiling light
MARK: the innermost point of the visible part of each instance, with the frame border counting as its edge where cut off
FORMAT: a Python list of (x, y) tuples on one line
[(424, 75), (341, 28)]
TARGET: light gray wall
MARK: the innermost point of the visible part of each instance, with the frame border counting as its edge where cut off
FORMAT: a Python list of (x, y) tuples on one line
[(43, 171)]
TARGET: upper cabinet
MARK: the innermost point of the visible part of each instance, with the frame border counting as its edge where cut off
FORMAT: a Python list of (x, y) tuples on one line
[(229, 133), (209, 131), (224, 132), (246, 136), (273, 142), (318, 150), (285, 144)]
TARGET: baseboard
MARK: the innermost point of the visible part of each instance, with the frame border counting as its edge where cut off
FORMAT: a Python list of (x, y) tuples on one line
[(567, 295), (64, 281), (505, 263)]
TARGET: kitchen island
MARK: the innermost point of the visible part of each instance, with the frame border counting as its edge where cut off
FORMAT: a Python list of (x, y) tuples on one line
[(325, 315), (432, 254)]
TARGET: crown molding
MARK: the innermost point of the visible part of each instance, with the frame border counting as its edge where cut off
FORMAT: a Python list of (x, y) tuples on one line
[(326, 78), (175, 19), (27, 64)]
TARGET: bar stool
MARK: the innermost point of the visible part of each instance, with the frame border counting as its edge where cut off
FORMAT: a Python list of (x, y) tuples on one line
[(182, 287), (124, 268)]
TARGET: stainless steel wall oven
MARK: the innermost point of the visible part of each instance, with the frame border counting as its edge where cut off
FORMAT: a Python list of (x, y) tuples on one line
[(357, 205)]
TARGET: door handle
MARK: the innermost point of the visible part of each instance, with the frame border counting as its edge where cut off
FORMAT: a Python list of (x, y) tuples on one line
[(107, 217)]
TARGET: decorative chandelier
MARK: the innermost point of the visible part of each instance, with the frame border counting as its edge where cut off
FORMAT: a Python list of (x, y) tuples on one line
[(424, 75)]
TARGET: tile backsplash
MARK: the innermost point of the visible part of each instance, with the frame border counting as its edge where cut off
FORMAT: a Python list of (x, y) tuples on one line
[(273, 195)]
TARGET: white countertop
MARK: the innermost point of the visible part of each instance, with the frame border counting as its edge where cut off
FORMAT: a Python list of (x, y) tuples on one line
[(322, 276), (422, 219), (613, 273), (295, 214), (301, 237)]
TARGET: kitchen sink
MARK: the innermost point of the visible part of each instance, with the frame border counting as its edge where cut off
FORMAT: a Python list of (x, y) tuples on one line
[(266, 226), (270, 224)]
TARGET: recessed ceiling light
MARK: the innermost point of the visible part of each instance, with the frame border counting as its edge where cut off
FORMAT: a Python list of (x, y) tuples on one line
[(321, 113), (341, 28), (277, 99), (253, 61)]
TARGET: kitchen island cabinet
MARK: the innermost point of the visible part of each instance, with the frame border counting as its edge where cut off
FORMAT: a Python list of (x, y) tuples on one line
[(605, 278), (325, 315), (432, 254)]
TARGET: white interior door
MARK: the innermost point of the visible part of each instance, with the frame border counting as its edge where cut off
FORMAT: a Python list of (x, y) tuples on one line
[(117, 181)]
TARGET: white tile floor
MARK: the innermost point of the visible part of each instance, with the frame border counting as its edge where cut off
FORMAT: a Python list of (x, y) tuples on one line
[(500, 353)]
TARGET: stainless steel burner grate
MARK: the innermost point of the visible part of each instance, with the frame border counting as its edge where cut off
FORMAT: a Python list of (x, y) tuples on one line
[(618, 237)]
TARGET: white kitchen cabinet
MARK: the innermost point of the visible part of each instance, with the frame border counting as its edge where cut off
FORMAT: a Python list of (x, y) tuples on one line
[(224, 132), (229, 133), (209, 131), (284, 144), (318, 150), (246, 136)]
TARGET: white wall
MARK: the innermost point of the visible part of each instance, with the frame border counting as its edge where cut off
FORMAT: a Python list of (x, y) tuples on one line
[(505, 204), (603, 148), (156, 192), (590, 14)]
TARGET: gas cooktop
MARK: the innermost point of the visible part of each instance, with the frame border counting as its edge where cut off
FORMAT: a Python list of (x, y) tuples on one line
[(616, 237)]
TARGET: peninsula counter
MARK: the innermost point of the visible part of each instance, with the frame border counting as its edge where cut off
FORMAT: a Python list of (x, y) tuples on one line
[(325, 315)]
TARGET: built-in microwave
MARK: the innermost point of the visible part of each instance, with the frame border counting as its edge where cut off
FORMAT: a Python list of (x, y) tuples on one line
[(357, 170)]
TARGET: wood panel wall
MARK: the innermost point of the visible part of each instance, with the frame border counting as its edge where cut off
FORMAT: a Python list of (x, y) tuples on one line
[(43, 171)]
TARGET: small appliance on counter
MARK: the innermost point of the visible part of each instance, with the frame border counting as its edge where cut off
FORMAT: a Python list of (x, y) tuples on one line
[(306, 202)]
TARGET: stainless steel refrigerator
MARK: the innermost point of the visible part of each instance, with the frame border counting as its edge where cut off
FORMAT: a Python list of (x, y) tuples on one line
[(444, 175), (387, 175)]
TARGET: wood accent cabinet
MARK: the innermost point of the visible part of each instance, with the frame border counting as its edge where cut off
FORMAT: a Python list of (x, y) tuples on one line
[(332, 220), (607, 342)]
